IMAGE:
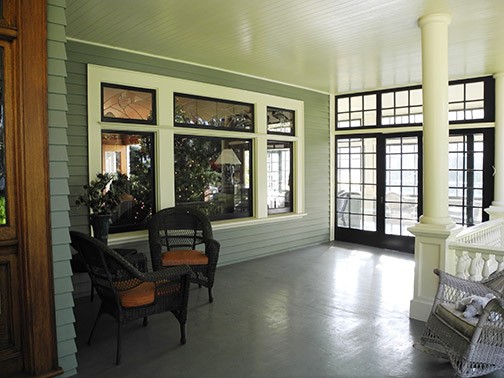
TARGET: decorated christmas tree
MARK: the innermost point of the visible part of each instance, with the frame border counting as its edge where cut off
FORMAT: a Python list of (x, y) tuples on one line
[(195, 170)]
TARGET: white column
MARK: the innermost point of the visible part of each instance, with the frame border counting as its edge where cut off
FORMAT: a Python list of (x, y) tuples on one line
[(436, 227), (435, 118), (496, 210)]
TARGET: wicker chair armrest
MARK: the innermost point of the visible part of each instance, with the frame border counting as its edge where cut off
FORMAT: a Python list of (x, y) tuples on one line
[(212, 248), (495, 305), (452, 288), (167, 273), (138, 260), (490, 327)]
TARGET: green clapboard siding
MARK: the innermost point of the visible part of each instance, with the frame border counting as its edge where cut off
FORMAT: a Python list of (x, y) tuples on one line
[(58, 172), (238, 244)]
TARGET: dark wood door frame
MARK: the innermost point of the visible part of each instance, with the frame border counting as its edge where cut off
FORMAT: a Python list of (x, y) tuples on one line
[(24, 27)]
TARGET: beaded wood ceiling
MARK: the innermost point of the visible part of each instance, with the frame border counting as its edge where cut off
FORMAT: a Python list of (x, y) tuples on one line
[(332, 46)]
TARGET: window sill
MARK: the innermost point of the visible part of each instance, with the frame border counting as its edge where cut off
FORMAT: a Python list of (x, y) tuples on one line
[(245, 222), (121, 239)]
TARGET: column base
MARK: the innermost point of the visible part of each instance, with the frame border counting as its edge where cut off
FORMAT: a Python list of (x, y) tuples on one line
[(420, 308), (445, 221), (431, 251), (495, 211)]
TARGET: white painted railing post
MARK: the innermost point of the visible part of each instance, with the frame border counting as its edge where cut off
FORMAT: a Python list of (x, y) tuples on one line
[(478, 251)]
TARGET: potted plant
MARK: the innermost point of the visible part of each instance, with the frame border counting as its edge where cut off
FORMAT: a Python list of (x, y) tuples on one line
[(102, 196)]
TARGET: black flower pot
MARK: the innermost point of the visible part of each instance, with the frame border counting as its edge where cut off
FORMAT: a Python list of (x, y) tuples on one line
[(100, 224)]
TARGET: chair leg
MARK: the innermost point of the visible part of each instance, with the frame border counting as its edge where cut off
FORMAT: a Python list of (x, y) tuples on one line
[(182, 334), (145, 321), (210, 295), (118, 354), (94, 326), (92, 292)]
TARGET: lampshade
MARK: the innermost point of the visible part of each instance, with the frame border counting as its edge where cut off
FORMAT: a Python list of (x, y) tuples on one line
[(228, 156)]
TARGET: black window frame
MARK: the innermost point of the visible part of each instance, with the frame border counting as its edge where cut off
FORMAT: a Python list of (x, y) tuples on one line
[(223, 216), (212, 127), (293, 127), (290, 208), (488, 180), (115, 229), (489, 104), (104, 118)]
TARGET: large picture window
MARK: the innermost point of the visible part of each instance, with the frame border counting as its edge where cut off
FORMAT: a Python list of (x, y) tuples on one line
[(206, 147), (213, 175)]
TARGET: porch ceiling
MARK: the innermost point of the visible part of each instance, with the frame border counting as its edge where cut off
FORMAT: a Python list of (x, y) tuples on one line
[(331, 46)]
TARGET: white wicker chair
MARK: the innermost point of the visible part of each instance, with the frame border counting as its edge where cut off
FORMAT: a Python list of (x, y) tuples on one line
[(474, 346)]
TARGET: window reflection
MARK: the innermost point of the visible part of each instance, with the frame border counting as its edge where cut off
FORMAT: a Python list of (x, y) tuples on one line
[(131, 154), (279, 177), (213, 175), (205, 112), (280, 121)]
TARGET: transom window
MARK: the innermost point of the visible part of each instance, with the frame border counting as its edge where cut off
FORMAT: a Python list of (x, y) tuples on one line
[(470, 100), (196, 111), (466, 101), (280, 121), (356, 110), (402, 107)]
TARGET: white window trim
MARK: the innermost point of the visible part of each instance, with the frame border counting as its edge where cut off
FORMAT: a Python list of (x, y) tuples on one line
[(165, 130)]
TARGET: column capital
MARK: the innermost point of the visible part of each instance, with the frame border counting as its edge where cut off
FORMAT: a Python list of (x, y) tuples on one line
[(435, 17)]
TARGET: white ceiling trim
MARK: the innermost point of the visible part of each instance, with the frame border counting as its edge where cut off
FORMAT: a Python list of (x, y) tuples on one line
[(195, 64)]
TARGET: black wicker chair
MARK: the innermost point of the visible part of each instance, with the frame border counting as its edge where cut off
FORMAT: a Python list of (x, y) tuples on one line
[(128, 294), (175, 234)]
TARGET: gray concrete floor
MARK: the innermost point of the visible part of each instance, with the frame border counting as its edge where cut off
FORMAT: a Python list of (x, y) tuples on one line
[(334, 310)]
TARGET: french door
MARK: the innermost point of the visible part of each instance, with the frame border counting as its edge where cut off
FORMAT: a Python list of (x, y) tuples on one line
[(378, 185), (378, 180), (470, 177)]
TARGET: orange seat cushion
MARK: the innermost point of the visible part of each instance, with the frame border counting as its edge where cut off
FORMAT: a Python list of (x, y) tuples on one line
[(183, 256), (140, 295)]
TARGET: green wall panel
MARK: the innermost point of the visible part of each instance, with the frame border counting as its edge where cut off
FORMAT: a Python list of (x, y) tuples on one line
[(240, 243)]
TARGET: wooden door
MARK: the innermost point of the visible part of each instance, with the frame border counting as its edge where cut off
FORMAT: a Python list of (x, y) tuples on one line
[(27, 325)]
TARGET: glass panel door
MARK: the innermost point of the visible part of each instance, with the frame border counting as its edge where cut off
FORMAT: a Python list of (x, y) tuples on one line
[(377, 189), (470, 176), (356, 185), (401, 185)]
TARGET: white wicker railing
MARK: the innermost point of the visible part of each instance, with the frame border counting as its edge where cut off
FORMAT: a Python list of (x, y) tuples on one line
[(479, 250)]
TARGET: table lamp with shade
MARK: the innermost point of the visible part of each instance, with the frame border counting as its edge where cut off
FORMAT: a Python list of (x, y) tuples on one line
[(228, 160)]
